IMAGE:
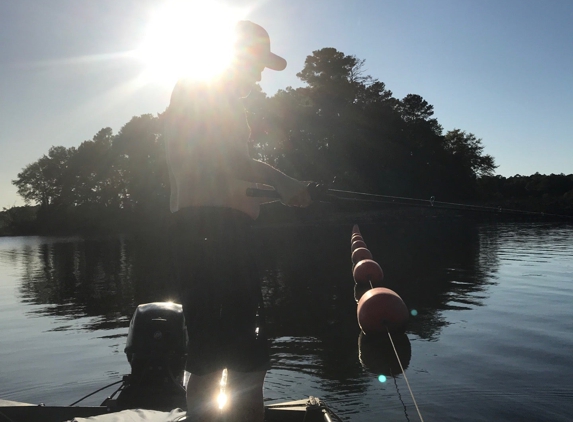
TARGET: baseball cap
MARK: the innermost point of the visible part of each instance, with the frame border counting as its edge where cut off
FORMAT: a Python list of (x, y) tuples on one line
[(254, 40)]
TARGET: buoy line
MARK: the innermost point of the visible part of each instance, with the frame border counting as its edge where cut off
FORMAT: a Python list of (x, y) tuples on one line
[(432, 203), (405, 377), (318, 193), (378, 307)]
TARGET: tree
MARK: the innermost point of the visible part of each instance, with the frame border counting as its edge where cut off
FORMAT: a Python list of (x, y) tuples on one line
[(414, 109), (328, 68), (32, 185), (343, 125), (90, 168), (467, 152), (46, 181), (347, 125), (138, 154)]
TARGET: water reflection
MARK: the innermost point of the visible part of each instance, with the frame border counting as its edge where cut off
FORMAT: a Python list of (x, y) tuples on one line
[(78, 278), (432, 266), (437, 268), (307, 285), (377, 355), (310, 292)]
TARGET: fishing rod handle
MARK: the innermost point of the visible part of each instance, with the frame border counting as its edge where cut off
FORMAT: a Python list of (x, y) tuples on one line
[(262, 193)]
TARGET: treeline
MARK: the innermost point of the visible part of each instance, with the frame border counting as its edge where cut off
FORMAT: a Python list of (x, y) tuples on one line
[(347, 129), (343, 128), (551, 194)]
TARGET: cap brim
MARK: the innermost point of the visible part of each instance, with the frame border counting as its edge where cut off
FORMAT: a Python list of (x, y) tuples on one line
[(275, 62)]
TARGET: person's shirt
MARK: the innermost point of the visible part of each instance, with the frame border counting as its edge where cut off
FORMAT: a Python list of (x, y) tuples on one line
[(206, 126)]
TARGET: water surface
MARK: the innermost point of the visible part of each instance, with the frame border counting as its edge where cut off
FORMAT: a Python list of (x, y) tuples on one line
[(492, 338)]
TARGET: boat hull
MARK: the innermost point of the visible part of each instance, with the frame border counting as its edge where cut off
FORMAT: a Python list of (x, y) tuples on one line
[(306, 410)]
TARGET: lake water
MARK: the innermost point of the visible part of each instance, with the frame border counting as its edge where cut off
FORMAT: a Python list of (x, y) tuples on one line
[(492, 338)]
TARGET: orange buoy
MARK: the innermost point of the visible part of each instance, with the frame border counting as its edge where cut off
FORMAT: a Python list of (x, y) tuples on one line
[(381, 309), (360, 254), (368, 271), (355, 229), (357, 244), (356, 237)]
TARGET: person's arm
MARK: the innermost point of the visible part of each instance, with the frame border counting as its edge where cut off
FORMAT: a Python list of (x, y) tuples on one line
[(292, 192)]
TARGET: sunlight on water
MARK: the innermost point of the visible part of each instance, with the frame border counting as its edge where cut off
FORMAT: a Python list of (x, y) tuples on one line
[(222, 400), (222, 397)]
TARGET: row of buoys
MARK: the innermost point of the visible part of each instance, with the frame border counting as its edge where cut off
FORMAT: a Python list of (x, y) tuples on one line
[(380, 310), (383, 346)]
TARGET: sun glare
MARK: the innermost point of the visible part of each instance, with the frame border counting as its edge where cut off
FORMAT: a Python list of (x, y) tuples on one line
[(222, 397), (188, 39)]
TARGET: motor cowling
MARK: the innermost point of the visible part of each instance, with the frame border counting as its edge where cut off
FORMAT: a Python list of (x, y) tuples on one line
[(157, 342), (156, 349)]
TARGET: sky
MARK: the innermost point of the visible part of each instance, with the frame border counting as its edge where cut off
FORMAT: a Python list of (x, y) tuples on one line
[(500, 69)]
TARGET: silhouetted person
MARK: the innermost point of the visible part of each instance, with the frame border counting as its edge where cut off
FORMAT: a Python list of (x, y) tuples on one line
[(206, 137)]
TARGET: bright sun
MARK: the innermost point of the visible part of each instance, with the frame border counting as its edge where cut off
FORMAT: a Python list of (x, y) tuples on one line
[(188, 38)]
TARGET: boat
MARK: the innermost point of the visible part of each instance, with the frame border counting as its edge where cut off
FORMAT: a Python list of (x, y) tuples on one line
[(305, 410), (156, 350)]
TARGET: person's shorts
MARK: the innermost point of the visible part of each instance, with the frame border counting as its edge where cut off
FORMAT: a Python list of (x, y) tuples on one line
[(220, 290)]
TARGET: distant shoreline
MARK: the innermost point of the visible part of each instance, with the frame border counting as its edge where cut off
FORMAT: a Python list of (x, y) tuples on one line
[(275, 215)]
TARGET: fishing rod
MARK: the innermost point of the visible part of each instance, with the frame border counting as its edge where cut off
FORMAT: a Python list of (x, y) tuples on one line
[(319, 193)]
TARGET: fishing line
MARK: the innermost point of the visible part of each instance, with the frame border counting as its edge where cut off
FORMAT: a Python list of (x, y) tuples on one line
[(97, 391), (436, 204), (318, 193), (405, 377)]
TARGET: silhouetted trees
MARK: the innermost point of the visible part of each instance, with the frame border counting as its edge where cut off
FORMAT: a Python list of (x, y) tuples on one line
[(343, 128), (346, 125), (541, 193)]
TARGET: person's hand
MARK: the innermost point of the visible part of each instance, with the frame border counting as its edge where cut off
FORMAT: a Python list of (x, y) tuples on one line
[(293, 193)]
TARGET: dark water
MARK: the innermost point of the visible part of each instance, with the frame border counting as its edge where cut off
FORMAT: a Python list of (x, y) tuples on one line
[(492, 339)]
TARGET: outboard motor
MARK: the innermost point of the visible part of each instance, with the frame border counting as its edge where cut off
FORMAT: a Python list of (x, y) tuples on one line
[(156, 349)]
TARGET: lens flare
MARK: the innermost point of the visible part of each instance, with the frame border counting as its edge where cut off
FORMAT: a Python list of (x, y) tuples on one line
[(414, 312), (188, 39), (381, 378)]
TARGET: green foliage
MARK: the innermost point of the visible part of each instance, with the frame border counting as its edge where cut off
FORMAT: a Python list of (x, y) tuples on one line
[(343, 128), (467, 151), (346, 126), (138, 160), (331, 70), (540, 193), (18, 221), (109, 183), (45, 181)]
